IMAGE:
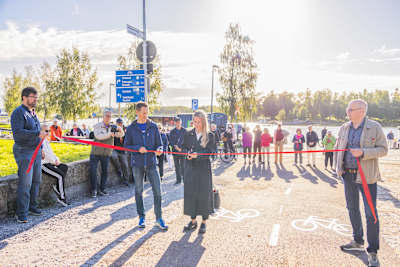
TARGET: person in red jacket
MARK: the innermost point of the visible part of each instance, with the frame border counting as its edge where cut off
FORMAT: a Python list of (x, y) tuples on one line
[(55, 132), (266, 140)]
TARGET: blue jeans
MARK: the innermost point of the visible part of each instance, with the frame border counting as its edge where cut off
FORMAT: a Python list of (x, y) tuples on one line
[(94, 162), (28, 183), (154, 179), (351, 190)]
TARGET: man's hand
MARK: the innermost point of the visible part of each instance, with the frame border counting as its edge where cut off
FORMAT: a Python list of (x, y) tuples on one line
[(142, 150), (57, 162), (43, 134), (193, 155), (357, 152), (112, 134), (159, 152)]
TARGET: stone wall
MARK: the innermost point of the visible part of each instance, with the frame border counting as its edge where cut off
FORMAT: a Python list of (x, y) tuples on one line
[(77, 182)]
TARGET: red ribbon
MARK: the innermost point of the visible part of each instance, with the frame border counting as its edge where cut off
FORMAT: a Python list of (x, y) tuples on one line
[(34, 156), (363, 179), (366, 190)]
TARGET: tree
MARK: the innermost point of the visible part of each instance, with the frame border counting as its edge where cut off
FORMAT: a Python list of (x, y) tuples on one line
[(270, 105), (74, 84), (47, 94), (13, 87), (281, 115), (130, 61), (238, 75)]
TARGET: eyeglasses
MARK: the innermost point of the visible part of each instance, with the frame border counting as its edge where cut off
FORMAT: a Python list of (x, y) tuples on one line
[(349, 110)]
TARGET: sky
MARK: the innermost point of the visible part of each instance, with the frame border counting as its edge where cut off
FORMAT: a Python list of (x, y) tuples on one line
[(337, 44)]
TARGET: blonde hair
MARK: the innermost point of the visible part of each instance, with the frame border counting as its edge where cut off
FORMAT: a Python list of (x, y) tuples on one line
[(202, 115)]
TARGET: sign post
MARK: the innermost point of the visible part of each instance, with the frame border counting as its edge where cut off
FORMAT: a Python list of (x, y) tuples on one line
[(195, 104)]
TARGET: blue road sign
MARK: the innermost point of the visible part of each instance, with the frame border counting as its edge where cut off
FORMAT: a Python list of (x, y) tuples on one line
[(195, 104), (129, 85)]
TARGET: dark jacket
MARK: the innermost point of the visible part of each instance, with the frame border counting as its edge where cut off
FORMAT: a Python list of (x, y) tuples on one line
[(25, 128), (298, 142), (79, 131), (135, 139), (217, 136), (198, 198), (165, 142), (176, 138), (312, 138), (257, 137)]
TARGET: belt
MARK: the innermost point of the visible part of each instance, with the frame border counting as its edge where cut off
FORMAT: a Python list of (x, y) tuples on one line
[(351, 170)]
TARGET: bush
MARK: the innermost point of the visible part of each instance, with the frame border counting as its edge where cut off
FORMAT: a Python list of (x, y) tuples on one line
[(65, 152)]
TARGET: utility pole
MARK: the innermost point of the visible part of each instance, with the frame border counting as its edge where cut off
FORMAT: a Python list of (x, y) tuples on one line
[(109, 96), (146, 85), (212, 91)]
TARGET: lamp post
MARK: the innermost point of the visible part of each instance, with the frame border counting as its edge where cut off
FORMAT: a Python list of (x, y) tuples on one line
[(109, 96), (214, 67)]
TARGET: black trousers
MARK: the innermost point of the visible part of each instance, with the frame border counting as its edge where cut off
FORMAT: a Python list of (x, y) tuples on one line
[(161, 165), (257, 147), (58, 173), (178, 162), (328, 156), (204, 217)]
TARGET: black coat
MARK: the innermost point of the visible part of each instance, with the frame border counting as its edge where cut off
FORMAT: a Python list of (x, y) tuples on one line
[(198, 196)]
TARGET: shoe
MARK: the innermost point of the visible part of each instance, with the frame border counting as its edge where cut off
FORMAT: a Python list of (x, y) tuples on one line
[(308, 165), (142, 223), (35, 212), (103, 193), (125, 183), (373, 260), (352, 246), (190, 226), (161, 224), (314, 166), (202, 229), (62, 202), (326, 169), (93, 194), (21, 219)]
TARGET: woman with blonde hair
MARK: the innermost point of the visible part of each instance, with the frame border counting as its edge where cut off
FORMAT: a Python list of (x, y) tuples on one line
[(197, 172)]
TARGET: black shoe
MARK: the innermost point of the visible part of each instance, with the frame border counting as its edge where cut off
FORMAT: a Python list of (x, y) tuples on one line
[(63, 202), (35, 212), (21, 219), (125, 183), (202, 229), (103, 193), (314, 166), (93, 194), (190, 226)]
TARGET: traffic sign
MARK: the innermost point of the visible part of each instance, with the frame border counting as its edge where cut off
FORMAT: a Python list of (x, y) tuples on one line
[(151, 51), (129, 85), (134, 31), (195, 104)]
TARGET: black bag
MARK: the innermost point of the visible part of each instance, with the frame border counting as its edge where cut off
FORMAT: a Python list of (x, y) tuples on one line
[(91, 135), (216, 199)]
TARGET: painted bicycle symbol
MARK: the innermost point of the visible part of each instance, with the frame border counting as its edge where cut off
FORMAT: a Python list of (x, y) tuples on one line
[(312, 223), (235, 216)]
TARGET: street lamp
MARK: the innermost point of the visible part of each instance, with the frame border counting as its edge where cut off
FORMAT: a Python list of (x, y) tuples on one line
[(214, 67), (109, 99)]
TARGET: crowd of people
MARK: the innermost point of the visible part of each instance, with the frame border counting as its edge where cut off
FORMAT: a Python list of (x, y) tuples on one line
[(359, 139)]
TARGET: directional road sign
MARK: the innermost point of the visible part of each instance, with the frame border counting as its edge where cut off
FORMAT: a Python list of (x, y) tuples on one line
[(129, 85), (134, 31)]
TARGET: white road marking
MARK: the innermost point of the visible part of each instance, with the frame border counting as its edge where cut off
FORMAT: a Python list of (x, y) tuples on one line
[(273, 239), (288, 191), (280, 210)]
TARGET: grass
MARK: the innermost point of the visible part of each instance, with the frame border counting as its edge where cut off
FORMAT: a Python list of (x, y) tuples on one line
[(65, 152)]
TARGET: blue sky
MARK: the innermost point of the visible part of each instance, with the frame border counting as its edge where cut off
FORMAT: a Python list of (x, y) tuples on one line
[(337, 44)]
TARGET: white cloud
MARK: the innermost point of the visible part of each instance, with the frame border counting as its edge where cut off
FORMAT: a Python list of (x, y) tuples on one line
[(387, 52)]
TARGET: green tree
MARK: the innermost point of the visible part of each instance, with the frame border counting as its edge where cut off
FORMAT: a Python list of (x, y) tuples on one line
[(74, 85), (270, 105), (130, 61), (281, 115), (13, 87), (46, 80), (238, 75)]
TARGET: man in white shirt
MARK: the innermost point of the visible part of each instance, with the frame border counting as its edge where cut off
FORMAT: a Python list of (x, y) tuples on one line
[(51, 166)]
